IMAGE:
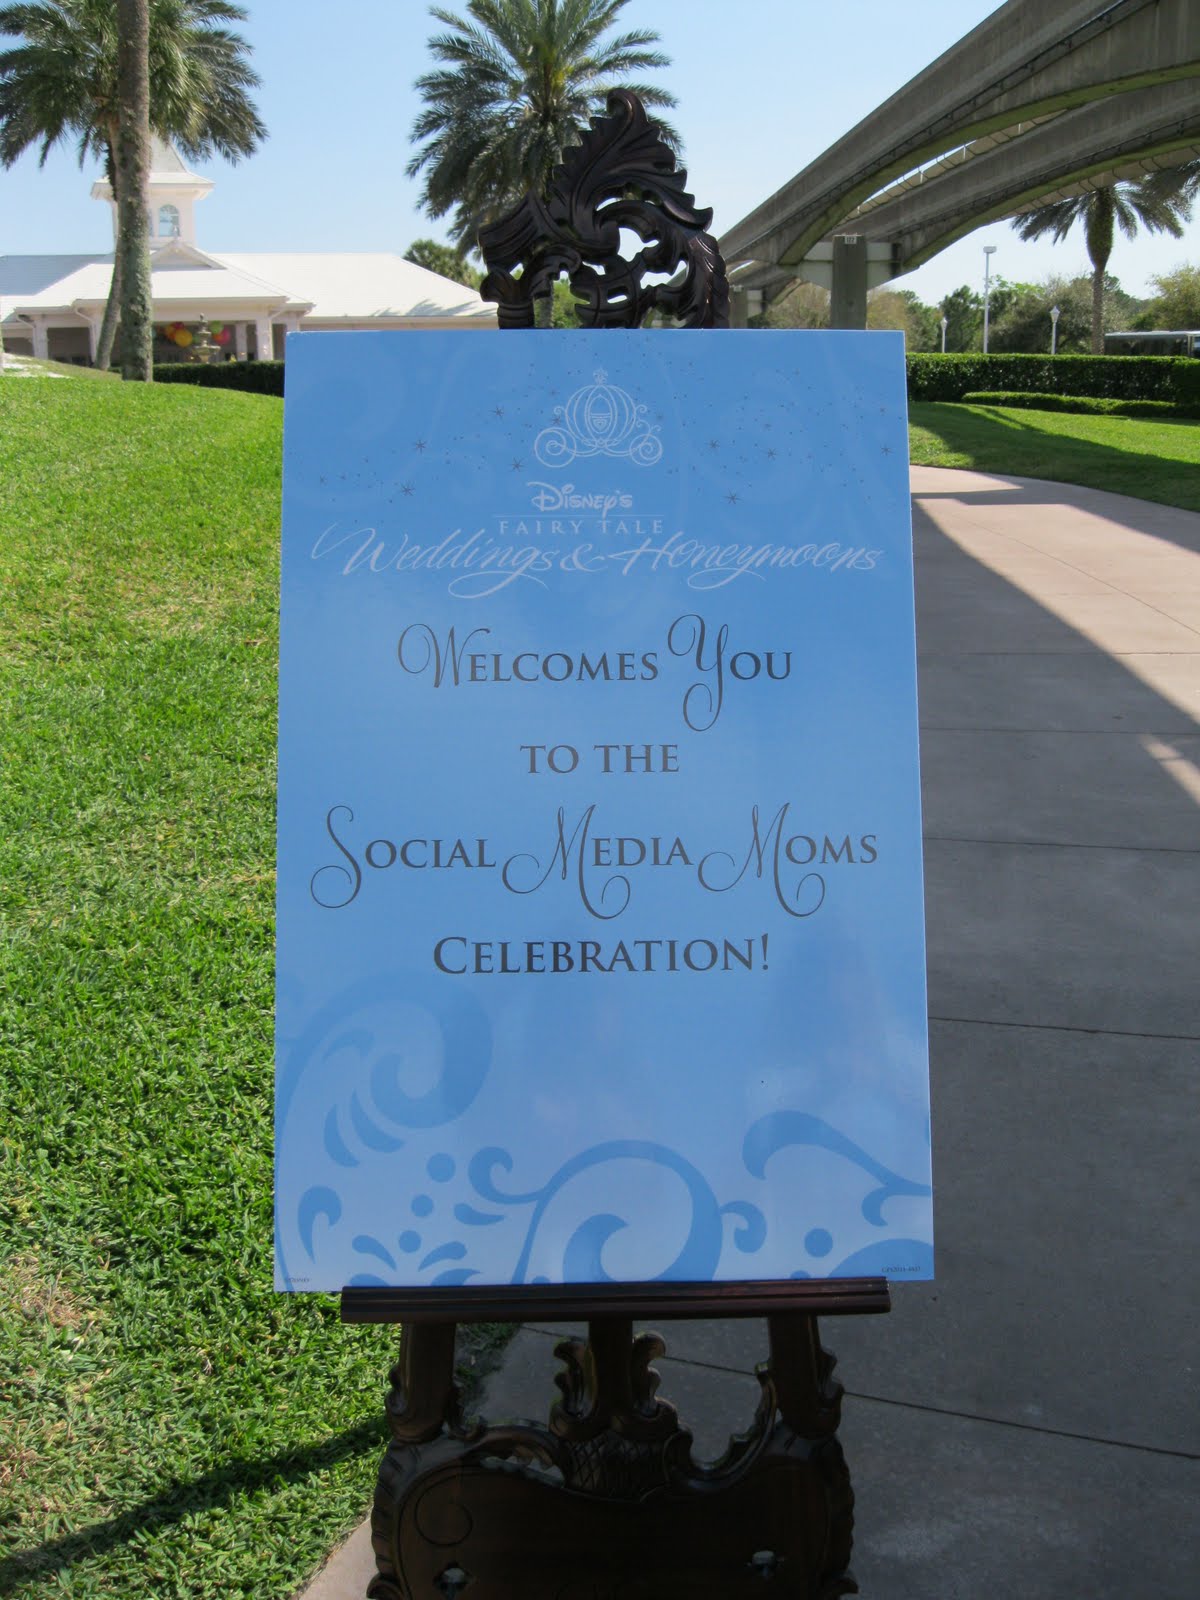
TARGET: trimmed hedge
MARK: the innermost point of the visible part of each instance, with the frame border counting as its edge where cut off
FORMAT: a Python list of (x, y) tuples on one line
[(1170, 380), (1085, 403), (252, 377), (1175, 379)]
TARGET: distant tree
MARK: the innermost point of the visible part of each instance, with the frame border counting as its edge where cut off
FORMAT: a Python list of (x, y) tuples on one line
[(1160, 204), (60, 83), (803, 305), (1013, 315), (132, 166), (1021, 321), (963, 310), (520, 81), (445, 260), (1177, 303), (563, 312), (903, 309)]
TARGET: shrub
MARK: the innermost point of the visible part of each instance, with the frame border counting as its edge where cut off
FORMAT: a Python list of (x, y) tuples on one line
[(251, 377), (1175, 379), (1163, 410)]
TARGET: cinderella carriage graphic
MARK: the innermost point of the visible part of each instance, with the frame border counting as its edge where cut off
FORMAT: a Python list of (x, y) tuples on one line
[(599, 420)]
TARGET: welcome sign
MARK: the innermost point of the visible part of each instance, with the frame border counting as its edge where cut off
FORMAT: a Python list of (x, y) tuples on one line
[(600, 944)]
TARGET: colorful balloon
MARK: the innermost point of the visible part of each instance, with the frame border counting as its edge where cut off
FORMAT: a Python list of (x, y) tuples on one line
[(183, 338)]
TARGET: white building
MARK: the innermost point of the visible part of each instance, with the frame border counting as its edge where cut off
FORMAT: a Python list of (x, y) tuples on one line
[(52, 306)]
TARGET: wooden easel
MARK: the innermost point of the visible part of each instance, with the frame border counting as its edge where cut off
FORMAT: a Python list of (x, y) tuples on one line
[(604, 1501)]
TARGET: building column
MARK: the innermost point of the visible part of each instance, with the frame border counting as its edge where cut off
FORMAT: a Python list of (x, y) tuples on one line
[(848, 297), (240, 341), (41, 340), (93, 338), (262, 338), (745, 304)]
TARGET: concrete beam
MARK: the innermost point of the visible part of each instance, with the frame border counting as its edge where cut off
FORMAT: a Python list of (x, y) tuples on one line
[(1023, 62), (1077, 151), (882, 265)]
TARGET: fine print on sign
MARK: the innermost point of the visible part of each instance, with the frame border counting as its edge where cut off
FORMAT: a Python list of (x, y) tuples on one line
[(600, 939)]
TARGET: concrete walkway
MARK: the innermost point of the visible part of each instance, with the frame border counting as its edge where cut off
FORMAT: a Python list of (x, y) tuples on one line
[(1030, 1424)]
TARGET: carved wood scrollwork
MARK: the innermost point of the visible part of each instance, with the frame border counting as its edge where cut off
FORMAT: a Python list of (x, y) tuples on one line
[(622, 175), (607, 1502)]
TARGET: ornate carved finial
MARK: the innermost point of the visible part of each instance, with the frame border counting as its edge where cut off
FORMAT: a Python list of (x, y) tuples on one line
[(621, 176)]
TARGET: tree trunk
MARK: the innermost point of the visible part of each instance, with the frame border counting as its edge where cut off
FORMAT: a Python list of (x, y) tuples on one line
[(1098, 311), (1101, 216), (108, 326), (133, 189), (543, 311)]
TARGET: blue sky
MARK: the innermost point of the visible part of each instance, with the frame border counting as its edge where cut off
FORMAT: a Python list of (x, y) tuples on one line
[(763, 88)]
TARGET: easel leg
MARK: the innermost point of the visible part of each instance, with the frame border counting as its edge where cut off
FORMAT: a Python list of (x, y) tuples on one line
[(809, 1400), (424, 1405)]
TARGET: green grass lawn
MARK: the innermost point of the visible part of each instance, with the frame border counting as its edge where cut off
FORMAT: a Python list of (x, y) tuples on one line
[(168, 1425), (1152, 460)]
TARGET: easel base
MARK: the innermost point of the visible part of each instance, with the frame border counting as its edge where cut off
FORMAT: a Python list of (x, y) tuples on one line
[(605, 1500)]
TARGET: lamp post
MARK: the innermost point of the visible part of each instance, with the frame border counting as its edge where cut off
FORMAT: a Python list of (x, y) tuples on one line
[(1054, 316), (945, 325), (989, 250)]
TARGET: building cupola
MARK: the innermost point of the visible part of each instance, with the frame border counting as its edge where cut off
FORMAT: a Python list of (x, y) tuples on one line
[(174, 191)]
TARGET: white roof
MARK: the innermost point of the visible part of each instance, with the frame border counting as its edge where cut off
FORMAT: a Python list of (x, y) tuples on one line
[(24, 276), (167, 171), (329, 287), (353, 286), (165, 159), (89, 285)]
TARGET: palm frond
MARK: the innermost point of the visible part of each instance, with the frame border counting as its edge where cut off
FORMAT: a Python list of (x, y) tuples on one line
[(516, 84), (1058, 218), (60, 82)]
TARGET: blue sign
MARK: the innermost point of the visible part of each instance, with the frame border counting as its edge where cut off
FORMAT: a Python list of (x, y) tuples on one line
[(600, 941)]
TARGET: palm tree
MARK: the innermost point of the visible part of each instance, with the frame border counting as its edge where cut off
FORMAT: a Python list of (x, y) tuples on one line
[(60, 84), (1161, 203), (443, 259), (521, 81)]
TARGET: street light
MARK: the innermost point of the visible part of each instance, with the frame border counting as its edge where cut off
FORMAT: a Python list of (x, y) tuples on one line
[(989, 250), (1054, 316), (945, 325)]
